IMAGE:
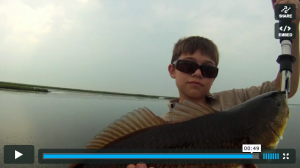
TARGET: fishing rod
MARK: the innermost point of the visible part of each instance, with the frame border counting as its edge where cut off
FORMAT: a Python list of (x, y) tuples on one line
[(286, 61)]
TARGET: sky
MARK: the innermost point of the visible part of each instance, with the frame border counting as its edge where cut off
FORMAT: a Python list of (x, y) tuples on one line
[(126, 45)]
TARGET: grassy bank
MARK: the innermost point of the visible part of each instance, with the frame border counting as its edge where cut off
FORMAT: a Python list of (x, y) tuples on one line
[(15, 86), (28, 87)]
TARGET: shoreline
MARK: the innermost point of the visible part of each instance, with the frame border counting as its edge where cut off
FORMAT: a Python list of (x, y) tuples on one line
[(20, 87), (45, 89)]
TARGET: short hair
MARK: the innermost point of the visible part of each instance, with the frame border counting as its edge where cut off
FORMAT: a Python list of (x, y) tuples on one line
[(192, 44)]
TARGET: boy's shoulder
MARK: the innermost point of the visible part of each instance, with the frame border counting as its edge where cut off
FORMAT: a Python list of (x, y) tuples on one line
[(230, 98), (224, 100)]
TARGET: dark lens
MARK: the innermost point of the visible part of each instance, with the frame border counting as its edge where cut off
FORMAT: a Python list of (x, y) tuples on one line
[(186, 66), (209, 71)]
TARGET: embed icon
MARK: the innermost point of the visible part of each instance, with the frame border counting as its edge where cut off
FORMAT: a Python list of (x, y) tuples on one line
[(285, 30)]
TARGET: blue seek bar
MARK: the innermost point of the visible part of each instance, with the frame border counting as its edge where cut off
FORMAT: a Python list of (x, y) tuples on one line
[(146, 156)]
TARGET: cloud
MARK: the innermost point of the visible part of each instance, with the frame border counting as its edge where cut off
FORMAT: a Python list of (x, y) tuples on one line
[(25, 27), (83, 1), (26, 23)]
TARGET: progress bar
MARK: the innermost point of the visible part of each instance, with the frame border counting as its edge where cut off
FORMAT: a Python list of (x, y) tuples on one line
[(165, 156), (150, 156)]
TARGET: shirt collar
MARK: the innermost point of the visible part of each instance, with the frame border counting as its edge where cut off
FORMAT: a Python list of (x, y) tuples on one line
[(173, 101)]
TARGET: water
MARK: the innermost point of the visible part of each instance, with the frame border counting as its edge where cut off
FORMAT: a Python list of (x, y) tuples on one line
[(70, 119)]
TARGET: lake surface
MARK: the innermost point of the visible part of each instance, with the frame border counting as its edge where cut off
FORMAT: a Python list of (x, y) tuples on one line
[(70, 120)]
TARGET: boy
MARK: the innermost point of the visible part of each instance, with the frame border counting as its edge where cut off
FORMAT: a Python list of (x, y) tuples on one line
[(194, 83)]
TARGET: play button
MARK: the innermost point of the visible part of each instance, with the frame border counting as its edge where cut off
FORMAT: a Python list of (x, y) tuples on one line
[(18, 154)]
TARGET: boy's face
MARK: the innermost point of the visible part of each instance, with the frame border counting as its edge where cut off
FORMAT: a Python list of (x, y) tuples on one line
[(187, 83)]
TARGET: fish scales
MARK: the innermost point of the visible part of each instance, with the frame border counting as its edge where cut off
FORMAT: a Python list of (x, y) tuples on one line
[(260, 120), (182, 135)]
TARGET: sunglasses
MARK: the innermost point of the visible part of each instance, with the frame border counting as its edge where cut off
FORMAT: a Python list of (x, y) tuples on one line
[(190, 67)]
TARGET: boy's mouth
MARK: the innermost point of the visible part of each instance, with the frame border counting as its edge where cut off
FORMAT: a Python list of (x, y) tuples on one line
[(197, 83)]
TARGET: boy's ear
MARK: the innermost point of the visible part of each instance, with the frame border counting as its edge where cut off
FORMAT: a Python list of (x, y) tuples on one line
[(171, 69)]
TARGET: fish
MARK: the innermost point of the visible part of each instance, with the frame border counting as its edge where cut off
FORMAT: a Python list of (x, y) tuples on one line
[(259, 120)]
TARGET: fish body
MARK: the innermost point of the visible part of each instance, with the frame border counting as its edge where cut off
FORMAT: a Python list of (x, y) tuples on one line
[(260, 120)]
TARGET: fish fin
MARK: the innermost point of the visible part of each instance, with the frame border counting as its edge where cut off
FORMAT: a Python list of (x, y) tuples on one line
[(187, 110), (127, 124)]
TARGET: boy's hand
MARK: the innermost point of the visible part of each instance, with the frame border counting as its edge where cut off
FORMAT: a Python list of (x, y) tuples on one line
[(296, 2), (139, 165)]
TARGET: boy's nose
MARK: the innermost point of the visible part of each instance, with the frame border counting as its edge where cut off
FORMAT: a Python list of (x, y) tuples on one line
[(198, 73)]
